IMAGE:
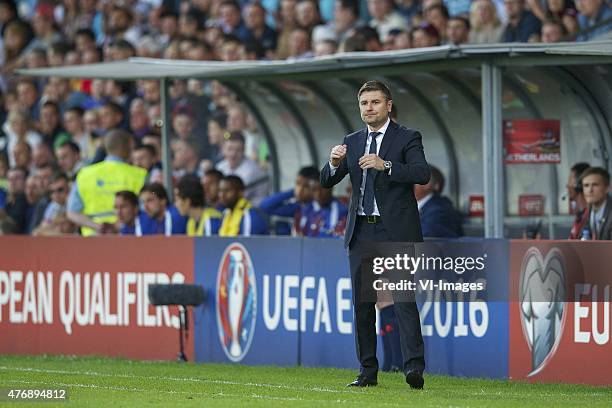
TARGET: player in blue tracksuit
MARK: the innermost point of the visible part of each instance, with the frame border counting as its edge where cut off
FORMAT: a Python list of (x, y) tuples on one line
[(296, 203), (328, 216), (159, 217)]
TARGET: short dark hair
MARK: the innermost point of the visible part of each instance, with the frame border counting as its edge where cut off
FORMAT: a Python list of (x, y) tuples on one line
[(88, 32), (114, 106), (128, 196), (236, 136), (235, 180), (59, 175), (148, 147), (371, 86), (72, 145), (441, 7), (189, 187), (463, 19), (157, 189), (599, 171), (437, 178), (309, 172), (215, 173), (351, 5), (52, 104), (76, 109), (579, 168)]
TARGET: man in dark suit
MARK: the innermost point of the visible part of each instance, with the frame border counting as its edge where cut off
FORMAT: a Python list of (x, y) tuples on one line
[(595, 187), (439, 219), (384, 161)]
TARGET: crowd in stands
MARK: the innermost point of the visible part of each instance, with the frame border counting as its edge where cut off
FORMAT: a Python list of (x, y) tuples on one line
[(53, 129)]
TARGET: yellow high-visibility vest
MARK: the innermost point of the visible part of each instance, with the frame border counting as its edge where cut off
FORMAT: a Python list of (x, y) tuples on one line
[(98, 184)]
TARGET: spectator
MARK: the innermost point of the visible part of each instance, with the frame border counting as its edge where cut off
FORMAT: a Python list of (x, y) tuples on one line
[(239, 216), (216, 136), (384, 18), (90, 203), (127, 210), (438, 217), (299, 45), (408, 8), (307, 15), (58, 190), (257, 31), (235, 163), (28, 97), (50, 124), (111, 117), (22, 153), (143, 156), (42, 156), (189, 201), (425, 35), (402, 41), (485, 26), (458, 30), (139, 120), (575, 195), (69, 158), (231, 21), (210, 182), (552, 31), (596, 186), (328, 216), (17, 35), (16, 204), (325, 47), (346, 18), (75, 126), (185, 159), (296, 203), (561, 11), (18, 128), (522, 25), (595, 17), (437, 16), (160, 217), (286, 24), (120, 26)]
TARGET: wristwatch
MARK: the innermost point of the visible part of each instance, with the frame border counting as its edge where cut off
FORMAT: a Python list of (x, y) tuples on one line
[(388, 165)]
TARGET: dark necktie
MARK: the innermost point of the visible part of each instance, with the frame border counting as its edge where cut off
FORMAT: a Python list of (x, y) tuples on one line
[(368, 192)]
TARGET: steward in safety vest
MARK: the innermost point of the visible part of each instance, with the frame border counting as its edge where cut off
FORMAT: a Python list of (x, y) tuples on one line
[(91, 201)]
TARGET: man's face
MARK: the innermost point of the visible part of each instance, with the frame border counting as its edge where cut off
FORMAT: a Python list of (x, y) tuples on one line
[(16, 181), (595, 189), (233, 152), (73, 123), (228, 194), (32, 190), (551, 33), (589, 8), (153, 205), (304, 189), (59, 191), (343, 17), (514, 8), (66, 158), (230, 16), (126, 213), (323, 196), (254, 17), (22, 155), (109, 119), (306, 13), (142, 158), (378, 8), (374, 108), (27, 94), (456, 31), (181, 204), (49, 119), (211, 188), (183, 125)]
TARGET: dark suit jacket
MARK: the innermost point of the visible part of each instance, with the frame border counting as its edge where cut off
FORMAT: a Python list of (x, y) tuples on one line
[(439, 218), (605, 231), (394, 193)]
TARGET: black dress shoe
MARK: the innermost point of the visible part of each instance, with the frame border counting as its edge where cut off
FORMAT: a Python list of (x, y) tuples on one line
[(414, 378), (363, 381)]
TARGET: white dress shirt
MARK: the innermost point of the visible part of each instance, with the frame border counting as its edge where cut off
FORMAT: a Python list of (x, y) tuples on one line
[(379, 140)]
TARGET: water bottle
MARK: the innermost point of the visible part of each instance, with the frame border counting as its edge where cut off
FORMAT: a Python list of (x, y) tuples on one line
[(586, 234)]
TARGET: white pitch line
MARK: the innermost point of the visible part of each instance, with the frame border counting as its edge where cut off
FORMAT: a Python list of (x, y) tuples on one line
[(187, 379)]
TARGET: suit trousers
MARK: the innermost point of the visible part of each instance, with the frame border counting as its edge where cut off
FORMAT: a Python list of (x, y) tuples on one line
[(407, 313)]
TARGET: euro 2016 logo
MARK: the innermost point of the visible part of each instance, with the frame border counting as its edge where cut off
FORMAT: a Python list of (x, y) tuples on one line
[(542, 302), (236, 302)]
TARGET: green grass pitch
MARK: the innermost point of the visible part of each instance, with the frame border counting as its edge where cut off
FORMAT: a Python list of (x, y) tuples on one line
[(105, 382)]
